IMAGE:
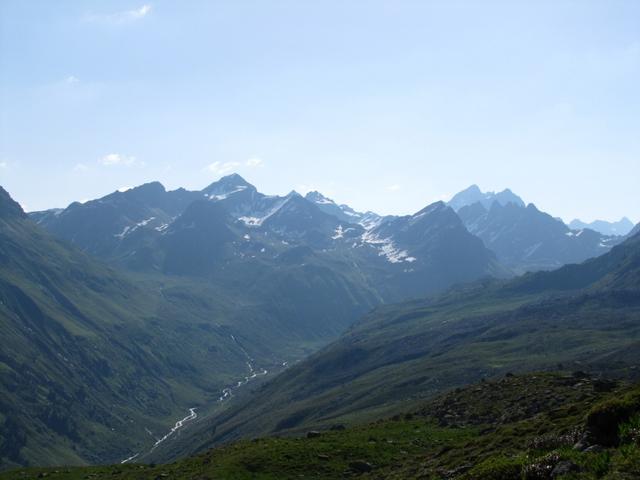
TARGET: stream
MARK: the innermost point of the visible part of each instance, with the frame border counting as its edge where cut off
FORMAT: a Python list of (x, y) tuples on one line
[(226, 394)]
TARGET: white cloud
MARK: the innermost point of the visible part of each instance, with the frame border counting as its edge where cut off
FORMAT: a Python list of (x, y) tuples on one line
[(71, 79), (119, 18), (140, 12), (393, 188), (255, 162), (80, 167), (117, 159), (124, 189), (222, 168), (4, 164)]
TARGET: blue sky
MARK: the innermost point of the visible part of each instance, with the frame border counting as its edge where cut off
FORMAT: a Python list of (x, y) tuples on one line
[(385, 105)]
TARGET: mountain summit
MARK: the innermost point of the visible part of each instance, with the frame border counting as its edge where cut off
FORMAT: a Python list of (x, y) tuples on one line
[(227, 185)]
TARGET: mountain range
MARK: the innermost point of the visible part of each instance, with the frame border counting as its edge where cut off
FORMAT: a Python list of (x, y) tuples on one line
[(131, 229), (130, 312), (229, 227), (523, 237)]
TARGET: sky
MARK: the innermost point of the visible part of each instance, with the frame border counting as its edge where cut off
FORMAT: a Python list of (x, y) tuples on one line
[(384, 105)]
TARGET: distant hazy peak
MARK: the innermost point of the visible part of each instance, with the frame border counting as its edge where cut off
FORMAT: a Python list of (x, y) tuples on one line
[(473, 194), (621, 228)]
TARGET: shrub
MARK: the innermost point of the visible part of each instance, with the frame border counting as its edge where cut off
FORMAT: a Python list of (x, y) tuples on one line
[(497, 468), (604, 419), (629, 432), (541, 468)]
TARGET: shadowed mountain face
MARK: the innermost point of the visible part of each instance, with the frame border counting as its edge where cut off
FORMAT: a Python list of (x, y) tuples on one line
[(620, 228), (583, 316), (525, 239), (114, 226), (522, 237)]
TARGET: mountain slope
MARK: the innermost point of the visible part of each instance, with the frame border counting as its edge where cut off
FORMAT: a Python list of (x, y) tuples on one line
[(401, 353), (92, 358), (122, 223), (84, 358), (505, 428), (525, 239), (431, 251)]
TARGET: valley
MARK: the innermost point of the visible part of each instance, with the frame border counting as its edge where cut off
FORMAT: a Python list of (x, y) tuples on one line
[(284, 240), (268, 315)]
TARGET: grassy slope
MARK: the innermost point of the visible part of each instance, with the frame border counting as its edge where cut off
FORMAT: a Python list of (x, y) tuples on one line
[(92, 356), (89, 355), (511, 428)]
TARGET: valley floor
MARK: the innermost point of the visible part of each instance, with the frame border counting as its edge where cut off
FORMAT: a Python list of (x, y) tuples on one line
[(537, 426)]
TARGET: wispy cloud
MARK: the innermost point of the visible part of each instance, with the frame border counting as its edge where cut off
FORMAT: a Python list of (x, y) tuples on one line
[(222, 168), (4, 164), (393, 188), (117, 159), (71, 79), (119, 18), (255, 162), (80, 167)]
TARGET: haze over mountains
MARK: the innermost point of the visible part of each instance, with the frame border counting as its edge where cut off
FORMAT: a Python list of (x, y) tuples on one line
[(136, 307), (128, 227)]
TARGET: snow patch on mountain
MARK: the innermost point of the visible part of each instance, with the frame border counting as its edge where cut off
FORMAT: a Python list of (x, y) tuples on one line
[(130, 229), (386, 248), (341, 231), (224, 196)]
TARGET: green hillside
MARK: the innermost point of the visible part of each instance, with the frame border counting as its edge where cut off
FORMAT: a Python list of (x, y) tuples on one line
[(98, 364), (538, 426)]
